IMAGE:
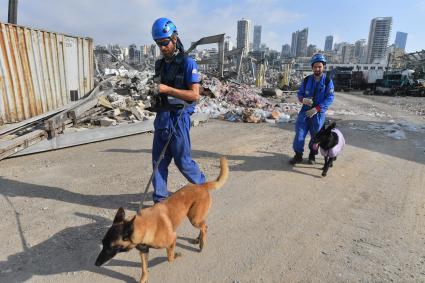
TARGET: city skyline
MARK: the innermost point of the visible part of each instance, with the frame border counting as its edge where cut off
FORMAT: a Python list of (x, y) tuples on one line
[(196, 19)]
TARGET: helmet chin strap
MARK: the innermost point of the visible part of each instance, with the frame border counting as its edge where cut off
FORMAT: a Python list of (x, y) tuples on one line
[(171, 58), (179, 48), (179, 45)]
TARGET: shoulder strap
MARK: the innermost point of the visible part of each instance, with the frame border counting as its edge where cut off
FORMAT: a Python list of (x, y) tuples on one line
[(305, 82), (158, 65), (327, 80)]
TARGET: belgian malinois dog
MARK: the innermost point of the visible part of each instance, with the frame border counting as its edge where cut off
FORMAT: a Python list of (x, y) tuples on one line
[(155, 227)]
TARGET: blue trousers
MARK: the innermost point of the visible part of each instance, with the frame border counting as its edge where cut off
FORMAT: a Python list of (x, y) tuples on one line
[(305, 125), (179, 149)]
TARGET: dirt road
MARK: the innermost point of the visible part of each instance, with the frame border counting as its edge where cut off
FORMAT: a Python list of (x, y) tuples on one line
[(364, 222)]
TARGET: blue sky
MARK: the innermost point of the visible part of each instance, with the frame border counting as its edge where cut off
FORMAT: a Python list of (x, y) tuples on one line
[(126, 22)]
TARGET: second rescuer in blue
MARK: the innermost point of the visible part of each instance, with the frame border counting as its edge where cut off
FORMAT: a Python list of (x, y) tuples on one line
[(316, 93), (179, 83)]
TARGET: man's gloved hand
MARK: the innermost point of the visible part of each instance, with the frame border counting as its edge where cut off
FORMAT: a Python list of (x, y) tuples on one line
[(310, 113), (152, 88), (155, 88), (308, 101)]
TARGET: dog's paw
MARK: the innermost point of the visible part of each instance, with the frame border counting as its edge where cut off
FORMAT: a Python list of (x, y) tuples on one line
[(176, 255), (323, 174), (201, 246)]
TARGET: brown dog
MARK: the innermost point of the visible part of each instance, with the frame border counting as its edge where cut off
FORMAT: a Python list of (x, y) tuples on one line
[(155, 227)]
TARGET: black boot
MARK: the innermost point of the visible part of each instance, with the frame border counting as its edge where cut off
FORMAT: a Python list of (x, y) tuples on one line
[(312, 158), (298, 158)]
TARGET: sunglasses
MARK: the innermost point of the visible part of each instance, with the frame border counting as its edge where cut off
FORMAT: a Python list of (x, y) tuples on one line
[(163, 42)]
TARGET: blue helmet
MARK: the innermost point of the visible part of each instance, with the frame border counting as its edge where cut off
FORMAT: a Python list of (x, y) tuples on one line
[(163, 28), (318, 58)]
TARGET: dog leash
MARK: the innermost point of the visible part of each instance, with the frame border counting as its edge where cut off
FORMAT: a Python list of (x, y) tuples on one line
[(161, 156)]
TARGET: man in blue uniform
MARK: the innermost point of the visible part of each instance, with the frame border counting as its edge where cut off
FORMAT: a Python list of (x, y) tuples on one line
[(177, 75), (316, 93)]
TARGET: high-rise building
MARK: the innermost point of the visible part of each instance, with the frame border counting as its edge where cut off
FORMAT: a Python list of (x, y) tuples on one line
[(155, 51), (286, 51), (379, 35), (102, 55), (299, 43), (302, 43), (132, 53), (400, 40), (294, 43), (257, 38), (359, 45), (311, 50), (228, 45), (348, 54), (273, 55), (243, 34), (338, 47), (125, 52), (360, 51), (144, 49), (329, 42)]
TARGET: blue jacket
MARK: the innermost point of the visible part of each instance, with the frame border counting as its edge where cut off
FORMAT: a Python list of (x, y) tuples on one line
[(322, 96)]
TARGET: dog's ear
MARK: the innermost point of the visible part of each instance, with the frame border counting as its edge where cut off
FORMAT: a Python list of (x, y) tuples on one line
[(120, 216), (128, 229), (330, 127)]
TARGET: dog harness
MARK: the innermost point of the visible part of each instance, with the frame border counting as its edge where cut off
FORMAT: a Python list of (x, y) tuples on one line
[(333, 152)]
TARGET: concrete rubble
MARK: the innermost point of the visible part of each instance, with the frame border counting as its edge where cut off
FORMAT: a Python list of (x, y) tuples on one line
[(237, 102), (222, 99)]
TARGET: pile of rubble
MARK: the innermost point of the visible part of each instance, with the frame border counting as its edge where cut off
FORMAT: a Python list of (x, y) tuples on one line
[(295, 79), (236, 102), (124, 102), (129, 97)]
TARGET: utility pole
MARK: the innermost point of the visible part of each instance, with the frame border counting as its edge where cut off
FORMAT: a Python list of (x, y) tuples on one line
[(13, 12)]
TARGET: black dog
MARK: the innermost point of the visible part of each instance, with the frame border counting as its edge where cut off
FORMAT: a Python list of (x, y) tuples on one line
[(331, 142)]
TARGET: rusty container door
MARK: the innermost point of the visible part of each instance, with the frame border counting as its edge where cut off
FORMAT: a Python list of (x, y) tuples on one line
[(39, 69)]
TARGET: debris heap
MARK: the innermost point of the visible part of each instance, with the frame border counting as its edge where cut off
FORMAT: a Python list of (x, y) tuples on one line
[(237, 102)]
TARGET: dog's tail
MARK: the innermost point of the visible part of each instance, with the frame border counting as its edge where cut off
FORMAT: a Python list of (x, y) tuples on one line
[(222, 178)]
